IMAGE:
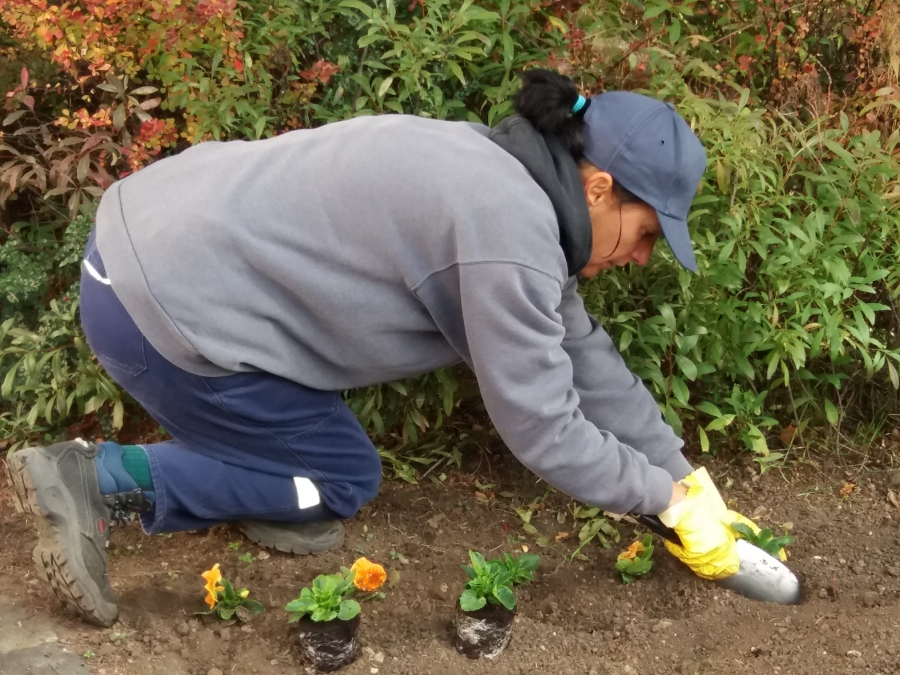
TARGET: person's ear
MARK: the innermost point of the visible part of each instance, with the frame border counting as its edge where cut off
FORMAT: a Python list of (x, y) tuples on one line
[(598, 187)]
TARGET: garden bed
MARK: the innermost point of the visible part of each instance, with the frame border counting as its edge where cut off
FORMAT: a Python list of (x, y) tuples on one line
[(577, 617)]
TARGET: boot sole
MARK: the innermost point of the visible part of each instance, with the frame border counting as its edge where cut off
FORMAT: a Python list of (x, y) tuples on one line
[(53, 556), (292, 543)]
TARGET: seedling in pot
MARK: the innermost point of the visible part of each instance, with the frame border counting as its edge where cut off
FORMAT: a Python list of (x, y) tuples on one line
[(774, 546), (225, 601), (327, 616), (487, 605), (636, 560), (521, 569)]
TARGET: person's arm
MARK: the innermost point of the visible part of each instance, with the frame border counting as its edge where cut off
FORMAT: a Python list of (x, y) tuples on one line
[(612, 397), (503, 318)]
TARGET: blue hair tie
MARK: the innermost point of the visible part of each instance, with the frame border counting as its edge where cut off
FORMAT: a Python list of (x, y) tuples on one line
[(579, 104)]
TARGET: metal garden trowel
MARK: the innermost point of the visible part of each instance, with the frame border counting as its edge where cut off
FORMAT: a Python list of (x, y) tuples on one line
[(760, 577)]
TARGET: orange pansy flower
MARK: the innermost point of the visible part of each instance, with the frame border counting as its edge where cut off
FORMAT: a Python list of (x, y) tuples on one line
[(634, 550), (212, 576), (368, 576)]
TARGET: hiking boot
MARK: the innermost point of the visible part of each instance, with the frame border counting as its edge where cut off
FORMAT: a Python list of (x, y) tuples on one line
[(299, 538), (58, 486)]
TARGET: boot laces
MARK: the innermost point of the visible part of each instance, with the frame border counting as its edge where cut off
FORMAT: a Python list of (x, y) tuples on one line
[(124, 505)]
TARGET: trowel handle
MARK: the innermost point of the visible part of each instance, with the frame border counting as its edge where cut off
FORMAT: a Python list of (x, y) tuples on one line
[(656, 526)]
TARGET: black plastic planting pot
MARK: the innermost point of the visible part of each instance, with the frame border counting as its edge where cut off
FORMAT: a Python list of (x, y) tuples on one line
[(327, 645), (485, 633)]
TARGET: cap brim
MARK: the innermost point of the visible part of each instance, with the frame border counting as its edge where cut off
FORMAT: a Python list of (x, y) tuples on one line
[(676, 233)]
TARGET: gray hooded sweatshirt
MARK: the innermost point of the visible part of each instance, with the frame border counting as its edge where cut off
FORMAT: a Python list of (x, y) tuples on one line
[(379, 248)]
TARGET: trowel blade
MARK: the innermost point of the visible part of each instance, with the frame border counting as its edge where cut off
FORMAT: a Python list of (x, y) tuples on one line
[(762, 577)]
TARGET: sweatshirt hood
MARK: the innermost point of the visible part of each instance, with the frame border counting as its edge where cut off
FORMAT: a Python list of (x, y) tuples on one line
[(547, 159)]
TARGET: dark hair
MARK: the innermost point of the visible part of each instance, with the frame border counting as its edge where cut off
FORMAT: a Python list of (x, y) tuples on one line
[(546, 99)]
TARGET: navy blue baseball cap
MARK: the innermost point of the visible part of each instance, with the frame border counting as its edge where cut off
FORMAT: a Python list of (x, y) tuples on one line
[(652, 152)]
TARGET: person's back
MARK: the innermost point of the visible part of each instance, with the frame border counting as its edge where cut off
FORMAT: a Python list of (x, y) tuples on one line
[(301, 255)]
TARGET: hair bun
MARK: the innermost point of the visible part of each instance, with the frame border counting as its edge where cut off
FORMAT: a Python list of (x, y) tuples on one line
[(546, 99)]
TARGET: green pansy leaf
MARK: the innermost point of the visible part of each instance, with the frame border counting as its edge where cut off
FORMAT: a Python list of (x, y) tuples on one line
[(348, 610), (529, 562), (469, 601), (506, 597)]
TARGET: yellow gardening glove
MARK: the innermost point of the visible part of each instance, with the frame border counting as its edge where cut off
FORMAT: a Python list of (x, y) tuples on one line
[(722, 512), (707, 544)]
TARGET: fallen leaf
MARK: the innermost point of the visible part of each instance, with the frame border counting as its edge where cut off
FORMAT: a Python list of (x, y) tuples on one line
[(787, 434), (561, 535), (847, 489), (892, 498), (393, 578), (524, 548), (435, 520)]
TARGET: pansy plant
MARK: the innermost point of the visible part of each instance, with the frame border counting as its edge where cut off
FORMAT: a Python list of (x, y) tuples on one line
[(224, 600), (329, 595)]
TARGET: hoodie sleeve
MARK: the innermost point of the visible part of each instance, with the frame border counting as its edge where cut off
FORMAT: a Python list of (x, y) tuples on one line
[(612, 397), (503, 318)]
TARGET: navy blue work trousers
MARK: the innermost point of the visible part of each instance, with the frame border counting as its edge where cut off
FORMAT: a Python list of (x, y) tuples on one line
[(248, 445)]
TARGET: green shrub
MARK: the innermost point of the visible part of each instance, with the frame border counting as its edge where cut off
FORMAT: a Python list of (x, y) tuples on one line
[(791, 320), (47, 373)]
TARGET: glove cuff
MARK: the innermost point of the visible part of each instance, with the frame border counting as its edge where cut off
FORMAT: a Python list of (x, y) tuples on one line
[(672, 515)]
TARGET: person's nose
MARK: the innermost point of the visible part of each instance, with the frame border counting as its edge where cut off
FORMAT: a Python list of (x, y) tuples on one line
[(642, 253)]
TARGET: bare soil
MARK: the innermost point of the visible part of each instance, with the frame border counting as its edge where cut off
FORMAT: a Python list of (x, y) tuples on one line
[(577, 618)]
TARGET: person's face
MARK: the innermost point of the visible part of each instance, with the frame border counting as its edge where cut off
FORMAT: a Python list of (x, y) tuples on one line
[(622, 233)]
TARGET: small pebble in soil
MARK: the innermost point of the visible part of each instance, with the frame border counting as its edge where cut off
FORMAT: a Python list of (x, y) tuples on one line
[(214, 671), (183, 628), (823, 593)]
